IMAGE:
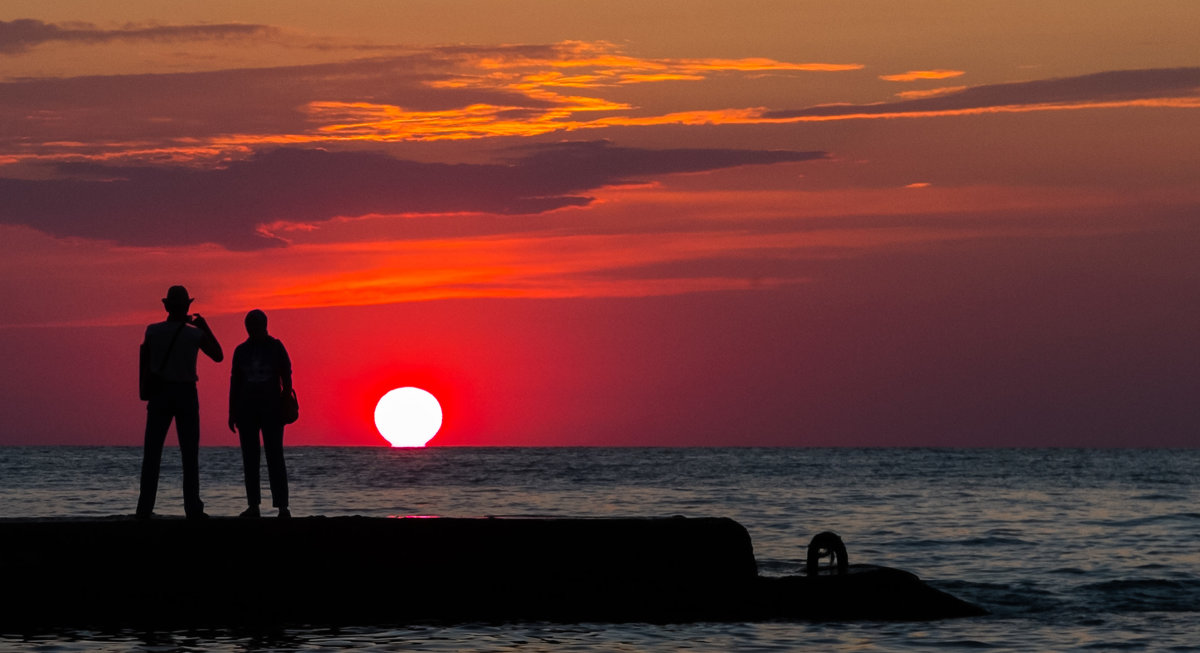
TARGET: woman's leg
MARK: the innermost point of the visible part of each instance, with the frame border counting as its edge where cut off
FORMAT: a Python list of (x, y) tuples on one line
[(248, 437), (276, 469)]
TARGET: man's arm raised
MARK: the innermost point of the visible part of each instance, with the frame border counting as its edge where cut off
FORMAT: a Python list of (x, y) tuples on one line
[(209, 345)]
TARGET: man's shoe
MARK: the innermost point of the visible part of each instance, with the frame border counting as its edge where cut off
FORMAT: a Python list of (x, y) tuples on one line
[(196, 516), (284, 513), (250, 513), (143, 516)]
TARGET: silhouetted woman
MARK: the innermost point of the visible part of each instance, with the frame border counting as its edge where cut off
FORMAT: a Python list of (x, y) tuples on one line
[(261, 375)]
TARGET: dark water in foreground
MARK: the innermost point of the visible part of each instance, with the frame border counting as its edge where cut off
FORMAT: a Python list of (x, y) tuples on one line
[(1070, 550)]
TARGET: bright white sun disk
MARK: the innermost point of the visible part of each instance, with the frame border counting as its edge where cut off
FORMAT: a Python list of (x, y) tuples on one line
[(408, 417)]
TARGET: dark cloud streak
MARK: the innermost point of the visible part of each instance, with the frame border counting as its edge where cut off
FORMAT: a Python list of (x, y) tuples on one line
[(24, 34), (1109, 86), (156, 206)]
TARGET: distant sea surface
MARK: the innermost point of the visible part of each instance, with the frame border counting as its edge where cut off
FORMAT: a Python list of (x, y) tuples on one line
[(1069, 549)]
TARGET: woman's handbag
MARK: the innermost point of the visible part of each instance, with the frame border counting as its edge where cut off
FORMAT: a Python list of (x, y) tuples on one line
[(289, 407)]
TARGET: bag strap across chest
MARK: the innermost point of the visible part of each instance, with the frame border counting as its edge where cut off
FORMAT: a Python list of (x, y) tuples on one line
[(167, 356)]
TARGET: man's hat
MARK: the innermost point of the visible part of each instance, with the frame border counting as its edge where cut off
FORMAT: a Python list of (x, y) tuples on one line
[(177, 296)]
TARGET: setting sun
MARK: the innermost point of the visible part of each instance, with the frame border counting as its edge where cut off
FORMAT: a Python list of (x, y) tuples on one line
[(408, 417)]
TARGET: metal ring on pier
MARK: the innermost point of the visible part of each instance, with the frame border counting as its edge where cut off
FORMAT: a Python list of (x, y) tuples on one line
[(827, 544)]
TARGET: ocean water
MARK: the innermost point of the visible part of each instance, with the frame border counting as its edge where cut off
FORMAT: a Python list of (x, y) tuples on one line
[(1069, 549)]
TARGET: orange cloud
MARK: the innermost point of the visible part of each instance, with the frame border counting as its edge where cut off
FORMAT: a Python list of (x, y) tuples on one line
[(457, 92), (933, 92), (537, 76), (553, 265), (550, 111), (622, 264), (915, 75), (762, 65), (373, 122), (607, 57), (645, 78)]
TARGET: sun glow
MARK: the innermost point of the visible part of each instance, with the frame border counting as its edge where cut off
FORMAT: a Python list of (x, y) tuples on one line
[(408, 417)]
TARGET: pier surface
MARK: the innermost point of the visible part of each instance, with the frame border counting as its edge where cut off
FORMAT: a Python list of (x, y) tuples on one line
[(343, 570)]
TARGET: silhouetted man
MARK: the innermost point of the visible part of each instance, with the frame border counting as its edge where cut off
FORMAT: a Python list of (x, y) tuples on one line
[(172, 348), (260, 378)]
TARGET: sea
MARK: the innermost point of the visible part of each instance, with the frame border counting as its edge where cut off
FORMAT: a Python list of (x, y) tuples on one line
[(1067, 549)]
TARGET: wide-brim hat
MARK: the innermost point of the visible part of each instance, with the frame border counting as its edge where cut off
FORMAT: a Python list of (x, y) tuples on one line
[(177, 296)]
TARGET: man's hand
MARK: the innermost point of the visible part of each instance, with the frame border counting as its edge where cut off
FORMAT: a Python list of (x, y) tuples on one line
[(232, 424)]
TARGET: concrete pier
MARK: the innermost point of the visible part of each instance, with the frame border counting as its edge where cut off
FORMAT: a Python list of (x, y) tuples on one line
[(346, 570)]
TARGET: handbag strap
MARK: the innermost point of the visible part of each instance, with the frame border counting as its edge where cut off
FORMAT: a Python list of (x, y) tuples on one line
[(167, 356)]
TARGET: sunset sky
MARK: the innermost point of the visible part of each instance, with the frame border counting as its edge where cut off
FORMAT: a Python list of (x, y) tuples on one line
[(825, 222)]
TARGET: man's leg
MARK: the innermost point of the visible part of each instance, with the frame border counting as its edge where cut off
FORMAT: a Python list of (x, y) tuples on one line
[(187, 427), (158, 422)]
